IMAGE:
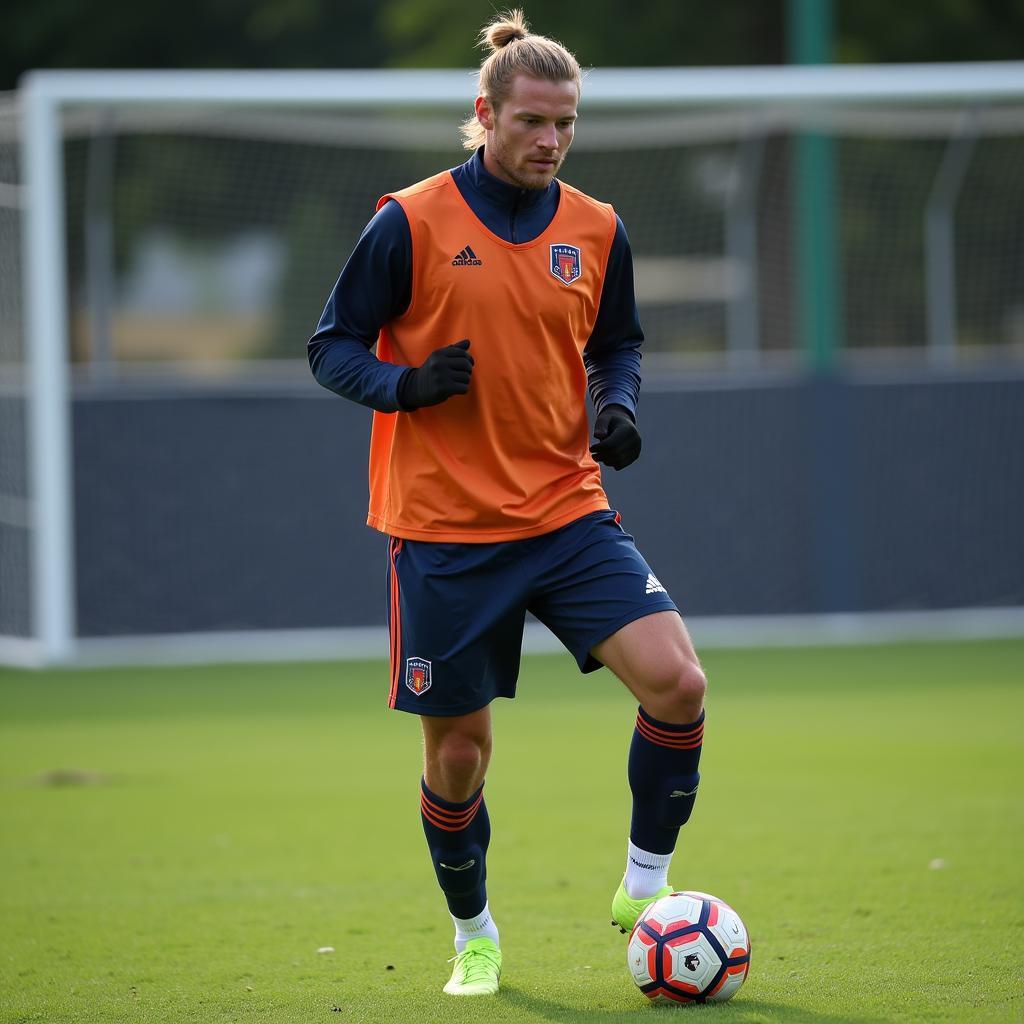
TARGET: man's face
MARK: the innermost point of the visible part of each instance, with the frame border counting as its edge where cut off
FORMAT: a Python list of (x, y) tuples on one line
[(528, 137)]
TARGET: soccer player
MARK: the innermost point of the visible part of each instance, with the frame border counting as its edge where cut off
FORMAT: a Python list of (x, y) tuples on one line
[(495, 295)]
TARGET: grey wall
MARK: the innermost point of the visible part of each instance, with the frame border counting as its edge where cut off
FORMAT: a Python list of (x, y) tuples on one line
[(223, 511)]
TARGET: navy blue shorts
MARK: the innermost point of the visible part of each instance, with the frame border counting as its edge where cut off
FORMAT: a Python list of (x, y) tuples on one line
[(456, 611)]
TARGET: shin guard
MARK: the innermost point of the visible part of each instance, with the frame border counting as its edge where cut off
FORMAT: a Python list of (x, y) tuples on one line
[(458, 836), (663, 777)]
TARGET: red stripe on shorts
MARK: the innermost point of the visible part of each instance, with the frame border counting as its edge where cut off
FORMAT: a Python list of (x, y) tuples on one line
[(395, 623)]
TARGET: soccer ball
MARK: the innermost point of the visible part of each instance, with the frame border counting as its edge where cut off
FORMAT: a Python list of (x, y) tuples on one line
[(689, 947)]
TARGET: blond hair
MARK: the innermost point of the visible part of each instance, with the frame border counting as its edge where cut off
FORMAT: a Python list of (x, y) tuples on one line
[(515, 50)]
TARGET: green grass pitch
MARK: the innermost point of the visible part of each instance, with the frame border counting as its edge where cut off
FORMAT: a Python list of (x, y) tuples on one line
[(178, 844)]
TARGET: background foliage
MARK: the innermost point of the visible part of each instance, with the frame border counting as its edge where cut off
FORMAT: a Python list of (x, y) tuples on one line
[(377, 33), (154, 186)]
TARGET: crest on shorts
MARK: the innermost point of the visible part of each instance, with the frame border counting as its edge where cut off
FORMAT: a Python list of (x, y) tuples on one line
[(565, 262), (417, 675)]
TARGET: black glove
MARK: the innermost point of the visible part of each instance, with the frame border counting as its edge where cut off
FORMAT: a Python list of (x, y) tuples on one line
[(446, 372), (618, 441)]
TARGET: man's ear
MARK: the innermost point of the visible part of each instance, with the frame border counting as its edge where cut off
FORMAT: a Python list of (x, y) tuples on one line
[(484, 113)]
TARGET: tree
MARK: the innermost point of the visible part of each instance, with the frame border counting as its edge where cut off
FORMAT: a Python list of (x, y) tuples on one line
[(605, 33), (189, 34)]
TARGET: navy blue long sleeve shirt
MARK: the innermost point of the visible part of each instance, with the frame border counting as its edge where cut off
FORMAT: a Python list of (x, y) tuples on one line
[(375, 286)]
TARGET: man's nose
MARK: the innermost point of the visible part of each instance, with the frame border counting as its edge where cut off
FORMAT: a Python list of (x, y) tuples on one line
[(548, 137)]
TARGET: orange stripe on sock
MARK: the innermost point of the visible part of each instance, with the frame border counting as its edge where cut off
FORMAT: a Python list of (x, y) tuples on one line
[(439, 823), (669, 737), (467, 813), (450, 821), (445, 825), (689, 740), (692, 745), (671, 733)]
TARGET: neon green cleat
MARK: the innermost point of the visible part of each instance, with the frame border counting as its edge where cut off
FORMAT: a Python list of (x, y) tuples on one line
[(477, 970), (626, 910)]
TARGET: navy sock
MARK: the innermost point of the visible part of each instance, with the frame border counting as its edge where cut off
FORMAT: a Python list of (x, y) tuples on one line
[(458, 836), (663, 776)]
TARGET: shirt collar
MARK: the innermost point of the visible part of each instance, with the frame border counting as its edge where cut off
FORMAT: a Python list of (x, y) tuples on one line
[(499, 192)]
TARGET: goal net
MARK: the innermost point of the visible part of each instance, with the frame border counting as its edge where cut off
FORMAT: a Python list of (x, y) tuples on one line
[(187, 229), (15, 616)]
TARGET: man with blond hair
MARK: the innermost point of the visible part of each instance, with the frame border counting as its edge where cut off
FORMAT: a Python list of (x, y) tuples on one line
[(496, 295)]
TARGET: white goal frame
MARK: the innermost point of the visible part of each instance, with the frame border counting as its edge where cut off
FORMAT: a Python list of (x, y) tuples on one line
[(42, 97)]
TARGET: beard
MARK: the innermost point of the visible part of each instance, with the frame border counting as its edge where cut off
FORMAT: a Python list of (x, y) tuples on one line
[(518, 172)]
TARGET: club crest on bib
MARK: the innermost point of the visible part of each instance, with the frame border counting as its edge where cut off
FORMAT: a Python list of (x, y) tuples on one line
[(417, 675), (565, 262)]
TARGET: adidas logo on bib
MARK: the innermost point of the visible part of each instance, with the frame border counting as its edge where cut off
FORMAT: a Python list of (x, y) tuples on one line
[(467, 258), (653, 586)]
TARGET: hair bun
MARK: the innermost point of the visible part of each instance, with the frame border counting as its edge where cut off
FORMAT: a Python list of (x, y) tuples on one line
[(506, 29)]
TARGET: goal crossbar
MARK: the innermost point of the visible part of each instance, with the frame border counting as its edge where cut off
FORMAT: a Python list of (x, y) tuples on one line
[(605, 87)]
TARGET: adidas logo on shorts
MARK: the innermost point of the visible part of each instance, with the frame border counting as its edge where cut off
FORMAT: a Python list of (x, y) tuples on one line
[(467, 258), (653, 586)]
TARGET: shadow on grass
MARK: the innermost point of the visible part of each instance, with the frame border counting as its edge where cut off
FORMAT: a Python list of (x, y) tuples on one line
[(751, 1011)]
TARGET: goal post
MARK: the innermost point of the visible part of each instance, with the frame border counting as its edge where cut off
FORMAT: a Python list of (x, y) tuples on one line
[(635, 110), (48, 406)]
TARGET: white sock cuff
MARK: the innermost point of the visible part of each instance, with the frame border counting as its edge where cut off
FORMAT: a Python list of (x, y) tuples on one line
[(648, 861), (470, 926), (480, 927), (646, 873)]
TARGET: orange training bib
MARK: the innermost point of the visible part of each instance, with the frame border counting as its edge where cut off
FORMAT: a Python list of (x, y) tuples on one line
[(510, 459)]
